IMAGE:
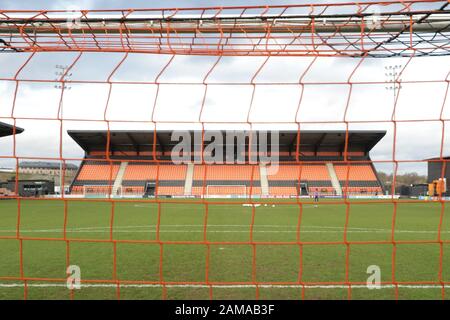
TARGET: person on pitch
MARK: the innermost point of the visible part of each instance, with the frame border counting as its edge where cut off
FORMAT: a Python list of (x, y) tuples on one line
[(316, 196)]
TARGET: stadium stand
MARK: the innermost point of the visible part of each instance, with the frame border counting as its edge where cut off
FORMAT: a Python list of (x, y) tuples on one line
[(140, 164), (7, 130)]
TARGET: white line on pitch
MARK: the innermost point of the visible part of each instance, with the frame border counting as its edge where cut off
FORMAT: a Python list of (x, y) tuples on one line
[(152, 229), (244, 286)]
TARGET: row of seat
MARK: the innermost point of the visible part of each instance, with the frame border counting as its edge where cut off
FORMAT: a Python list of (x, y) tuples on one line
[(233, 179), (292, 191), (226, 172), (355, 172), (139, 191), (196, 191), (294, 172), (6, 192), (152, 172), (221, 190), (99, 171), (140, 172)]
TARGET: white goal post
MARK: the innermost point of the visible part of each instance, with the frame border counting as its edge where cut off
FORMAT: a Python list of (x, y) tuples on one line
[(99, 191), (223, 190)]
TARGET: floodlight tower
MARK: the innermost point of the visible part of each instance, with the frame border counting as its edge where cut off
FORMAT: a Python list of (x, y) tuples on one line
[(62, 76), (393, 83), (392, 72)]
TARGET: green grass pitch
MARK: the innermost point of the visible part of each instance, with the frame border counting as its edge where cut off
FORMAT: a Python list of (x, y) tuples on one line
[(324, 255)]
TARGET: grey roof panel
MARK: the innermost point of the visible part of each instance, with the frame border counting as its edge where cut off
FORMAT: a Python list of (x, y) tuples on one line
[(8, 130), (358, 140)]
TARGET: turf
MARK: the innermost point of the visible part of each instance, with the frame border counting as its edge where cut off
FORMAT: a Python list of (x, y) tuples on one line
[(270, 256)]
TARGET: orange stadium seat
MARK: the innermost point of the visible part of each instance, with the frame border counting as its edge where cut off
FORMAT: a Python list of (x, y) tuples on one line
[(77, 190), (170, 190), (141, 172), (283, 191), (101, 172), (315, 175), (362, 190), (225, 190), (131, 190), (292, 172), (355, 173), (226, 172), (96, 189), (322, 190)]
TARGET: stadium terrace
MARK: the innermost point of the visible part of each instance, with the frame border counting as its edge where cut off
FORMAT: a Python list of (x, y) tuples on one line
[(147, 163)]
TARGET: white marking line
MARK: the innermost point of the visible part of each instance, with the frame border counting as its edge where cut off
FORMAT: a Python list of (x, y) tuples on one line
[(152, 229), (245, 205), (228, 231), (244, 286)]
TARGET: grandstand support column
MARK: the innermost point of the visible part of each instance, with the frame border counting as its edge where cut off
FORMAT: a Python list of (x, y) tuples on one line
[(119, 178), (264, 180), (334, 179), (189, 178)]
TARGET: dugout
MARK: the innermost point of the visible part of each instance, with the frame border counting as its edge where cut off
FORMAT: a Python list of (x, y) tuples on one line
[(5, 131), (439, 168), (418, 190), (31, 188)]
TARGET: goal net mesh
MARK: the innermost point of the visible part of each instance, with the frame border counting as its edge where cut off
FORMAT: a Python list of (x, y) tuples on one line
[(347, 68)]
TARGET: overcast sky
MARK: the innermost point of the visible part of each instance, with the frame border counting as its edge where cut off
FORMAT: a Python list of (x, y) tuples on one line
[(106, 4), (119, 4), (417, 101)]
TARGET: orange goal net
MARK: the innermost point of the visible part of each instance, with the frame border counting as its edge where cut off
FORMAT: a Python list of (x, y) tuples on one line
[(101, 89)]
